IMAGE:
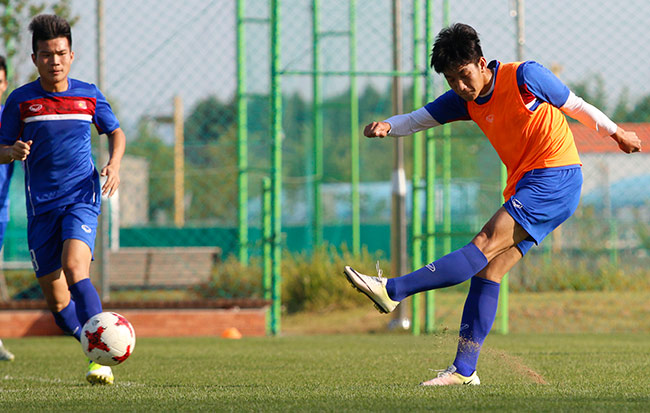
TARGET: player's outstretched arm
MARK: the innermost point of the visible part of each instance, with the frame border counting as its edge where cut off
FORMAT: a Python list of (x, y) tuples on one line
[(402, 125), (628, 141), (16, 152), (116, 146)]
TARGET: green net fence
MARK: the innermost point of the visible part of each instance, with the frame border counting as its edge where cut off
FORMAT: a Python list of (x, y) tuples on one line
[(185, 87)]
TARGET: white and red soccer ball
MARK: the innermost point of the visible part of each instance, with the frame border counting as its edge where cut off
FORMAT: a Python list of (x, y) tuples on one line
[(108, 338)]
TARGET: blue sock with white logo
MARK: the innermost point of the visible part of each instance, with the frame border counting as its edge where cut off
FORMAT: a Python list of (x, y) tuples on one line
[(478, 317), (87, 300), (454, 268), (67, 320)]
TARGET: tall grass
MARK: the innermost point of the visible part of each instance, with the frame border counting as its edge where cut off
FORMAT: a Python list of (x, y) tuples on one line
[(312, 282), (315, 282)]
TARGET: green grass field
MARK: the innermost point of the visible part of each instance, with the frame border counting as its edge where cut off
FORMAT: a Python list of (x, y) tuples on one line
[(371, 372)]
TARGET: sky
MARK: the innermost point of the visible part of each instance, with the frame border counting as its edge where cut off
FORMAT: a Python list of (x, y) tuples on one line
[(156, 49)]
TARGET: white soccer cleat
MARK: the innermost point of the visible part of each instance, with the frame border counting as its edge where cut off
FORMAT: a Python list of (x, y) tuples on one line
[(449, 377), (373, 287), (5, 355), (98, 374)]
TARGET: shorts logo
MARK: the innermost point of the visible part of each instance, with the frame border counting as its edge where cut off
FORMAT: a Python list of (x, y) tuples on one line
[(36, 107), (34, 262), (489, 118), (517, 204), (464, 326), (86, 229), (431, 266)]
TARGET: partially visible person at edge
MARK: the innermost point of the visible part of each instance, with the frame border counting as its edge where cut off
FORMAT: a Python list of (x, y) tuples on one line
[(520, 107), (46, 124), (6, 171)]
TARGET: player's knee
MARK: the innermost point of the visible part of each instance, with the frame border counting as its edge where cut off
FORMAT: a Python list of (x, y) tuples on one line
[(55, 304), (489, 244), (492, 276), (74, 269)]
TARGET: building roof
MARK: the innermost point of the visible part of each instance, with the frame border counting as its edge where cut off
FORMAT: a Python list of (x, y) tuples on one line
[(588, 141)]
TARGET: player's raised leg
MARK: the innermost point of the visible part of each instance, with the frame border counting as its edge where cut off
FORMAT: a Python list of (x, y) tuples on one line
[(452, 269), (499, 234)]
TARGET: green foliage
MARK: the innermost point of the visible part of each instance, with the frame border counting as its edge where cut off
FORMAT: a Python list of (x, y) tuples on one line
[(316, 282), (211, 184), (557, 271), (309, 282), (161, 165), (14, 20), (592, 90), (231, 279), (208, 120), (640, 112)]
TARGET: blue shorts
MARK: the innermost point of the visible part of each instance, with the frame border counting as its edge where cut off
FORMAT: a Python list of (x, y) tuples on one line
[(46, 233), (544, 199)]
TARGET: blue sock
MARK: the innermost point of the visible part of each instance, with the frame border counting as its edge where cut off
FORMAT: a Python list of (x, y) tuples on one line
[(478, 317), (67, 320), (452, 269), (87, 300)]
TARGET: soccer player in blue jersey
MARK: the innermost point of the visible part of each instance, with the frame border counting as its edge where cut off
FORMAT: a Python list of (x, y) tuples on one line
[(6, 170), (46, 124), (520, 107)]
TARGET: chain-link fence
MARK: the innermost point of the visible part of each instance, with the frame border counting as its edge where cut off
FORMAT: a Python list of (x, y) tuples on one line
[(190, 81)]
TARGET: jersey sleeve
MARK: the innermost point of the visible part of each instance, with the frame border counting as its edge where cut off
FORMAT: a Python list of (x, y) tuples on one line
[(542, 83), (448, 107), (104, 118), (10, 122)]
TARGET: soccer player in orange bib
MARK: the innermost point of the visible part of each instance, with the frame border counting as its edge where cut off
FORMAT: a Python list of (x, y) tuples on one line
[(520, 107)]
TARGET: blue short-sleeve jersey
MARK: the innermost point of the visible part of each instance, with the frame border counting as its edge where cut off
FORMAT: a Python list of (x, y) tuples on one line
[(536, 84), (6, 170), (59, 170)]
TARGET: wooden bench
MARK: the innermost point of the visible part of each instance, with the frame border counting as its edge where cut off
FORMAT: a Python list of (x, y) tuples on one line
[(162, 267)]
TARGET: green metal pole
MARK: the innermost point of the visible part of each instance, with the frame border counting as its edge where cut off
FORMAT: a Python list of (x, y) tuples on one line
[(242, 135), (267, 232), (505, 289), (416, 217), (430, 296), (446, 166), (276, 165), (354, 133), (317, 132)]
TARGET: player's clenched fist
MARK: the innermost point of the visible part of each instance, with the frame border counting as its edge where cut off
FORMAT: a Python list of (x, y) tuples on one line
[(20, 150), (628, 141), (377, 129)]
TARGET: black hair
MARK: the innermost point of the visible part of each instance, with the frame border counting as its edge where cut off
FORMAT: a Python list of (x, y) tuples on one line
[(48, 27), (3, 64), (455, 46)]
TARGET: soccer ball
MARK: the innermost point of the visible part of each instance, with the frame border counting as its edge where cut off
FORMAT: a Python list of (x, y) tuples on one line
[(108, 338)]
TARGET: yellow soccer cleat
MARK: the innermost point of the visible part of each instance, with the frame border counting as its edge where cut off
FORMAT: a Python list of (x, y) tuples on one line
[(373, 287), (449, 377), (98, 374)]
